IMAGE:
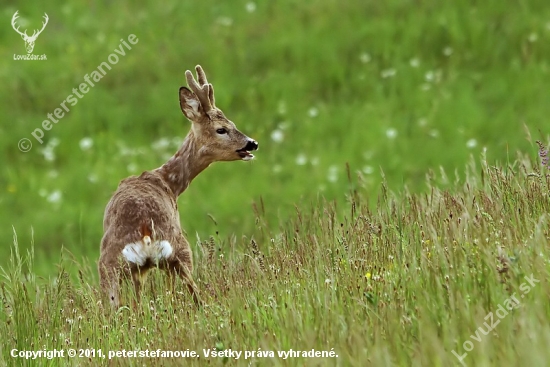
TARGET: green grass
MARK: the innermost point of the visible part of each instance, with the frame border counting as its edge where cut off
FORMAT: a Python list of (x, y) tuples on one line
[(371, 98), (405, 284), (464, 72)]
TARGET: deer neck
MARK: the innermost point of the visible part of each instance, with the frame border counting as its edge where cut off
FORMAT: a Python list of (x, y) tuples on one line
[(184, 166)]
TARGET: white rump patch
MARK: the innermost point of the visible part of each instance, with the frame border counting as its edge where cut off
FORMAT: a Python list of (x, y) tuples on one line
[(140, 252)]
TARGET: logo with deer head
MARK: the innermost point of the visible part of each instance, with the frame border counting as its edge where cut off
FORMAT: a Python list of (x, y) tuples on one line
[(29, 40)]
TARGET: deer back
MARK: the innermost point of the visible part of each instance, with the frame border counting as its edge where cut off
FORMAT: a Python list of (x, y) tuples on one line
[(142, 203)]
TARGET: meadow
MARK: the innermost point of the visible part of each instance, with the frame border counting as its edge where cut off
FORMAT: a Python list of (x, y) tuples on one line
[(396, 201)]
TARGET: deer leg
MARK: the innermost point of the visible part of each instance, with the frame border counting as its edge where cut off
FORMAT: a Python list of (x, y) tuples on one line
[(138, 276), (109, 280), (181, 266)]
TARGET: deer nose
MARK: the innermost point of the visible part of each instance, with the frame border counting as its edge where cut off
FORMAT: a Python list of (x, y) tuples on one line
[(251, 145)]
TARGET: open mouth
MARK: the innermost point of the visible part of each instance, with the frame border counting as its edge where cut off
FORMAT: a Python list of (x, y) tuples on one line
[(245, 154)]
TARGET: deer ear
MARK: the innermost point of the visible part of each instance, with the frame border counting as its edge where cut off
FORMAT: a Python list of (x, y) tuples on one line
[(190, 105)]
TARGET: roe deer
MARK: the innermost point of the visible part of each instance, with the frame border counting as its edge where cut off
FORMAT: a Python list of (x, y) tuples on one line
[(141, 223)]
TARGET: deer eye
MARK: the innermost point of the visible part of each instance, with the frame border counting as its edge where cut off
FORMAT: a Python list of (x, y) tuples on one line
[(221, 131)]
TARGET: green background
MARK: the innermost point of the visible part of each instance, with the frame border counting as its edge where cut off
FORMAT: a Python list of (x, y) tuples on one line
[(392, 88)]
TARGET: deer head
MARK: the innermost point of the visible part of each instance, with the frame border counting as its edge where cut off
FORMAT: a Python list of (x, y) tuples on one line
[(29, 40), (217, 137)]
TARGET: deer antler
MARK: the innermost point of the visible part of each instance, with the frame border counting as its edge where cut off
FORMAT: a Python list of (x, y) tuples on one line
[(24, 34), (36, 33), (203, 89), (13, 19)]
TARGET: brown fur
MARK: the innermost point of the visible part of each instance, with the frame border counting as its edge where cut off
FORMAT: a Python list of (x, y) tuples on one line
[(144, 208)]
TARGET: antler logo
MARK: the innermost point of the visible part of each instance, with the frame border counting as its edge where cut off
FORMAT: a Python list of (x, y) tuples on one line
[(29, 40)]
